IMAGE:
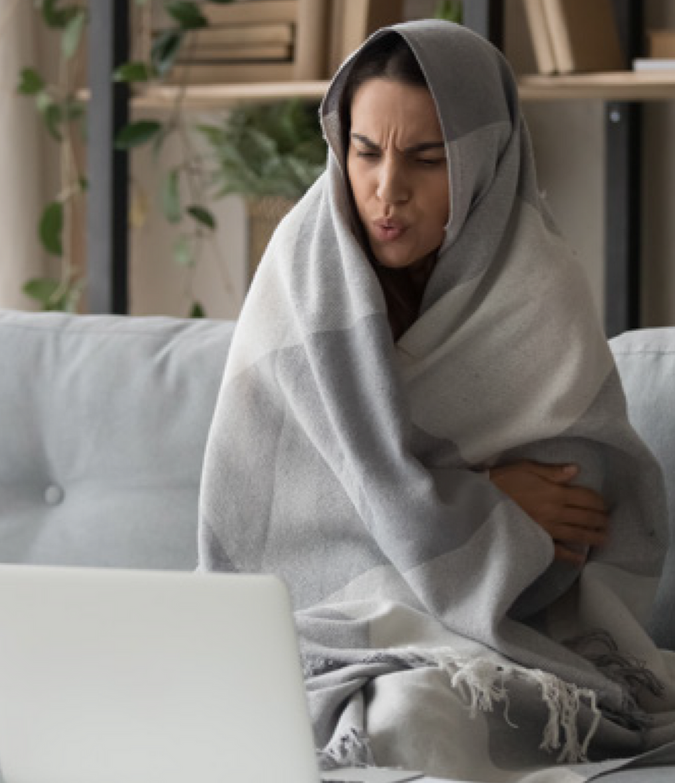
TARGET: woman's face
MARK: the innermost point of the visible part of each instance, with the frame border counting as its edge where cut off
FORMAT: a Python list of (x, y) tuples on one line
[(398, 171)]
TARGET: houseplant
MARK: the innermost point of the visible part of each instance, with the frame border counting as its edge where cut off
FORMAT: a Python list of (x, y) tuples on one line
[(270, 154)]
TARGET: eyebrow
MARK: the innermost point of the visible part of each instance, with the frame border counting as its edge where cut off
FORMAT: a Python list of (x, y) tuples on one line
[(423, 147)]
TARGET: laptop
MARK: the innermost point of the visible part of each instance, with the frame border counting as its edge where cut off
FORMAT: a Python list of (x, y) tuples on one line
[(111, 676), (115, 676)]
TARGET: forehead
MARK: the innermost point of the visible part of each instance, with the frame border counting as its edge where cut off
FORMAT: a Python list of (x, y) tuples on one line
[(384, 106)]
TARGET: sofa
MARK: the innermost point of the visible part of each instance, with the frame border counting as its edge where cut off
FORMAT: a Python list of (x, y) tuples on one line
[(104, 421), (105, 418)]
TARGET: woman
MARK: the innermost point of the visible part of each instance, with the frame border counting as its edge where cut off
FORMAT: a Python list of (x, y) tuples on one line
[(421, 430)]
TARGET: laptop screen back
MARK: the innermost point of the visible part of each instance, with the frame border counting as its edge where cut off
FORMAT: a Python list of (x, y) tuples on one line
[(128, 676)]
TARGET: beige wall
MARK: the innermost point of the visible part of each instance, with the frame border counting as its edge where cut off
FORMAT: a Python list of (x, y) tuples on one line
[(569, 147), (157, 284)]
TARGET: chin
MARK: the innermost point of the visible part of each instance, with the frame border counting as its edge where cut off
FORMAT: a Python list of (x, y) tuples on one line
[(393, 261)]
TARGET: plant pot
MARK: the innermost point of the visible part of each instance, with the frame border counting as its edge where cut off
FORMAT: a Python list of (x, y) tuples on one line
[(264, 215)]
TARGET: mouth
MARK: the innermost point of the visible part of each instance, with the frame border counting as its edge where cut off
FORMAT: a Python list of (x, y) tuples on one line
[(388, 230)]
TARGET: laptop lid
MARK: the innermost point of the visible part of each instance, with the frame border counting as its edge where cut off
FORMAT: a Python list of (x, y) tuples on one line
[(111, 676)]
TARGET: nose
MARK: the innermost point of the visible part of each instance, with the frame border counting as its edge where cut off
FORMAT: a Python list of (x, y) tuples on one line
[(392, 185)]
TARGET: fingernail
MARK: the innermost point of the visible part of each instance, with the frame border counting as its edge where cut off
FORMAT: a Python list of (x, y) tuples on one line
[(569, 470)]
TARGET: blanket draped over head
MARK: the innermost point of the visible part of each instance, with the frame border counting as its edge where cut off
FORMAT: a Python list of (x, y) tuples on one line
[(436, 629)]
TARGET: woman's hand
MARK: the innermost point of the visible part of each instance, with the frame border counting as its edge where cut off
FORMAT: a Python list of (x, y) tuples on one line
[(575, 517)]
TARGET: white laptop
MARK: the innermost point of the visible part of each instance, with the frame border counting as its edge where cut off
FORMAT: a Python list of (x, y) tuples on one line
[(112, 676), (149, 677)]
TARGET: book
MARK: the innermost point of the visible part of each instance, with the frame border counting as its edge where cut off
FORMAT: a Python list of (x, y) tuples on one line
[(352, 21), (247, 53), (540, 36), (654, 64), (260, 11), (661, 43), (584, 35), (311, 33), (230, 73), (282, 33)]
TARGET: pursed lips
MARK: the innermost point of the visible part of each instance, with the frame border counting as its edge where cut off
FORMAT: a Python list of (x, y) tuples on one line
[(388, 229)]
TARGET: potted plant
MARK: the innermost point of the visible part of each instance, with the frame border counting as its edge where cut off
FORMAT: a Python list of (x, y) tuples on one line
[(270, 154)]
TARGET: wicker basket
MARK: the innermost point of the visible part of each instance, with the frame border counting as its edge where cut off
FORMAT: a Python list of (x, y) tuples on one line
[(264, 215)]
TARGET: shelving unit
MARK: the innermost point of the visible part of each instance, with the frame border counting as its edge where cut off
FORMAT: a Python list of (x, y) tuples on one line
[(621, 92), (614, 86), (213, 97)]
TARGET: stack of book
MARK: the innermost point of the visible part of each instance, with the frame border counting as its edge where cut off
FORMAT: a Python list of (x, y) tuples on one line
[(244, 42), (352, 21), (277, 40), (574, 36)]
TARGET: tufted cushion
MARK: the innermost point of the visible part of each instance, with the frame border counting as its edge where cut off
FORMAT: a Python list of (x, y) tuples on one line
[(104, 421), (646, 362)]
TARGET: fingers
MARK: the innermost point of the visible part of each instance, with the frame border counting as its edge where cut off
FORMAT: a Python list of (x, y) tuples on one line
[(577, 536), (558, 474), (582, 497), (575, 517), (576, 556)]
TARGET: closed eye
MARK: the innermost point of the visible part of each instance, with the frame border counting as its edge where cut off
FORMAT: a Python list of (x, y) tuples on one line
[(431, 162)]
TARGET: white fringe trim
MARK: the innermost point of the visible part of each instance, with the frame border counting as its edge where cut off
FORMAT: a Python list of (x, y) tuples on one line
[(483, 681)]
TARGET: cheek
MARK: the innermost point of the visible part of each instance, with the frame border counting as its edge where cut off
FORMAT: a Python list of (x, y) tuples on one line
[(441, 200)]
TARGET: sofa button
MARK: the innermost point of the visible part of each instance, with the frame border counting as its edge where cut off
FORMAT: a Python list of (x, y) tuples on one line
[(53, 495)]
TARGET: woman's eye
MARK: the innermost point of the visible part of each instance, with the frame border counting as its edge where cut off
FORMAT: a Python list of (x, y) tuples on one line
[(430, 162), (367, 155)]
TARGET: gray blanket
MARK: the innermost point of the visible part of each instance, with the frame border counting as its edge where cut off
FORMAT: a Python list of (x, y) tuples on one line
[(437, 630)]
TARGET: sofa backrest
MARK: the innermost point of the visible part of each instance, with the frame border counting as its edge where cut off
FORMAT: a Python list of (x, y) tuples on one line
[(104, 421), (646, 362)]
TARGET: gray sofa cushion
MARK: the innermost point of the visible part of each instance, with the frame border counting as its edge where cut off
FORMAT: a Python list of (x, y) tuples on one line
[(104, 423), (646, 362)]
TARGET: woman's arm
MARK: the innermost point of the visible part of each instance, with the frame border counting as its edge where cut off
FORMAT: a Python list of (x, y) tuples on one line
[(575, 517)]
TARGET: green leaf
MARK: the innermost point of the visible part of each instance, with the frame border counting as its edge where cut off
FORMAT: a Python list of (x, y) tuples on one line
[(182, 252), (170, 197), (50, 112), (133, 72), (51, 228), (275, 149), (54, 294), (41, 289), (71, 109), (136, 133), (202, 215), (52, 118), (165, 49), (187, 14), (54, 16), (197, 310), (450, 10), (72, 34), (30, 82)]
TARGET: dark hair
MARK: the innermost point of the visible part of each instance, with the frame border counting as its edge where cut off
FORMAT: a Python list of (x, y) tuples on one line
[(389, 57)]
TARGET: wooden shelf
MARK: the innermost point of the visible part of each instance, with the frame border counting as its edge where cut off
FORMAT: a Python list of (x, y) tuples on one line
[(614, 86), (220, 96), (610, 86)]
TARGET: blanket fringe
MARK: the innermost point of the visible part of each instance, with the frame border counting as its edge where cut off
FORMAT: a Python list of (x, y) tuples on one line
[(600, 648), (484, 683), (351, 749)]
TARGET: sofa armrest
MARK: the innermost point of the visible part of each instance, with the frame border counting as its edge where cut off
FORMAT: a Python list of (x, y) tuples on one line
[(646, 362)]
